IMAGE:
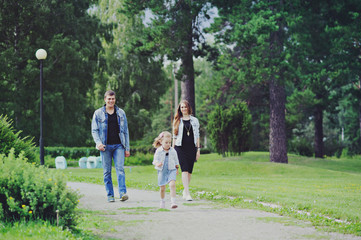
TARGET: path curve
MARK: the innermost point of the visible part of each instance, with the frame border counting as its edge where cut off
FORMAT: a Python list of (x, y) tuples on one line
[(196, 220)]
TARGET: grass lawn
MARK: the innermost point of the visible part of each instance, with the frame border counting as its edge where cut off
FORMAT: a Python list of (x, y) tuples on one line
[(326, 192)]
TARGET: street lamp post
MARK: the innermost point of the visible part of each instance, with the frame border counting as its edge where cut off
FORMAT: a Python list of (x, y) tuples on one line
[(41, 55)]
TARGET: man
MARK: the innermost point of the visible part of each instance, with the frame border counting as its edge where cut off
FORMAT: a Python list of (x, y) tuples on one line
[(111, 136)]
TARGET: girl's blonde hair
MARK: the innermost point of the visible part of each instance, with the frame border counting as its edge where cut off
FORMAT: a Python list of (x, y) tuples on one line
[(158, 140), (179, 114)]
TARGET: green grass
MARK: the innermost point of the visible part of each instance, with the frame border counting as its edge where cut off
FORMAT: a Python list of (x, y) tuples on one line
[(317, 190), (320, 191)]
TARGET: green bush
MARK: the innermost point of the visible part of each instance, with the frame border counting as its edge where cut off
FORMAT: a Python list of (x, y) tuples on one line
[(139, 159), (78, 152), (11, 139), (301, 146), (205, 151), (31, 192), (230, 129)]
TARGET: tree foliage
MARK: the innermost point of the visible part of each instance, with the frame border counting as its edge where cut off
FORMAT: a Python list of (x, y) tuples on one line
[(136, 76), (230, 129), (256, 31), (71, 38), (174, 31)]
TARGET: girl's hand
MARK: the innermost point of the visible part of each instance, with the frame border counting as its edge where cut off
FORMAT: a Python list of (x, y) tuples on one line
[(177, 171), (198, 154), (159, 164)]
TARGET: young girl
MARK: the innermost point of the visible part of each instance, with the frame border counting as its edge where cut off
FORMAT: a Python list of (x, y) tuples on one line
[(166, 162)]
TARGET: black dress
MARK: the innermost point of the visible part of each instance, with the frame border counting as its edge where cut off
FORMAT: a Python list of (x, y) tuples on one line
[(188, 151)]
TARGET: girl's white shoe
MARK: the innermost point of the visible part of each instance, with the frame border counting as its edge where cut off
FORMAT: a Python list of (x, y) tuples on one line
[(189, 198)]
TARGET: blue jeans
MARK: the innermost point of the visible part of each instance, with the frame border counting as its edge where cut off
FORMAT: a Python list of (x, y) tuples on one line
[(115, 152)]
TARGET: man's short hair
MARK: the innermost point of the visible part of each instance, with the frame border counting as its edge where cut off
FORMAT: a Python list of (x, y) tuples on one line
[(109, 93)]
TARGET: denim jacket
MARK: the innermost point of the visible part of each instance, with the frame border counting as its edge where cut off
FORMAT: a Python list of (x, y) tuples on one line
[(159, 157), (100, 127), (195, 126)]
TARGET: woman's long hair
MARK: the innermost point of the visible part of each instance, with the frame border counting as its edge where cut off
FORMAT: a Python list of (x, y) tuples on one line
[(179, 114)]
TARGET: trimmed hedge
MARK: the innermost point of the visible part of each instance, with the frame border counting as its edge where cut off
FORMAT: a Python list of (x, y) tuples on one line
[(29, 192), (71, 152), (78, 152)]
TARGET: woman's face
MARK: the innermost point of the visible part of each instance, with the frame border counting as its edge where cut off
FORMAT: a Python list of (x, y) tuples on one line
[(184, 109)]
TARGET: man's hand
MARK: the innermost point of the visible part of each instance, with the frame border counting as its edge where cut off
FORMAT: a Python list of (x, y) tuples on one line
[(101, 147), (127, 153)]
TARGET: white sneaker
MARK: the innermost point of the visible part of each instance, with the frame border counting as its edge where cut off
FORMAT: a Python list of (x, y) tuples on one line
[(189, 198), (162, 204)]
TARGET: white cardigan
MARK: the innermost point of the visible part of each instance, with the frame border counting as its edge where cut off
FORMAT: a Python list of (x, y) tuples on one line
[(159, 157)]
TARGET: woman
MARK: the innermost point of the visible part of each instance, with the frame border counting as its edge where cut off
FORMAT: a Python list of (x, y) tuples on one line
[(186, 143)]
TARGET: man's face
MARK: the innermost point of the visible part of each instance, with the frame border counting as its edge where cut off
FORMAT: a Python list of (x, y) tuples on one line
[(109, 101)]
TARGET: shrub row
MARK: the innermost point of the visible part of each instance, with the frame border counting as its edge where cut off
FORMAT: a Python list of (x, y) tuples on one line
[(139, 155), (71, 152), (31, 192), (78, 152)]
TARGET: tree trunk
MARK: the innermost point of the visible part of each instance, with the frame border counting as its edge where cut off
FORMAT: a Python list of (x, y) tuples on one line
[(359, 110), (187, 84), (318, 115), (277, 137), (359, 118)]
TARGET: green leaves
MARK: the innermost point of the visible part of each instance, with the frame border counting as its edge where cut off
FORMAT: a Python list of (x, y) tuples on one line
[(230, 129), (9, 139), (30, 192)]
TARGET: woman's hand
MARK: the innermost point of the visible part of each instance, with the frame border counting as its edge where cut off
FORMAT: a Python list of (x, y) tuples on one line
[(198, 154)]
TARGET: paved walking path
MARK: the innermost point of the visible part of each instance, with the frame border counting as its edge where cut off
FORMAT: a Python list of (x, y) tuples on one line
[(196, 220)]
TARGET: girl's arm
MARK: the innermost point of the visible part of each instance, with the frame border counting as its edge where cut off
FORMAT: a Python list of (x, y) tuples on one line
[(156, 161), (155, 158)]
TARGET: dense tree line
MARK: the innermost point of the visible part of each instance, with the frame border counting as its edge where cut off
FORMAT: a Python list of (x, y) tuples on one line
[(305, 53), (71, 38), (296, 65)]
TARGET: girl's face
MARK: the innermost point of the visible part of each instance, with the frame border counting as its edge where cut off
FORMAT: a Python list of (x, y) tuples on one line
[(184, 109), (166, 142)]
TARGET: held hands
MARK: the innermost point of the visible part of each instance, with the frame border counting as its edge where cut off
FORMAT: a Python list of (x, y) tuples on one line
[(127, 153)]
